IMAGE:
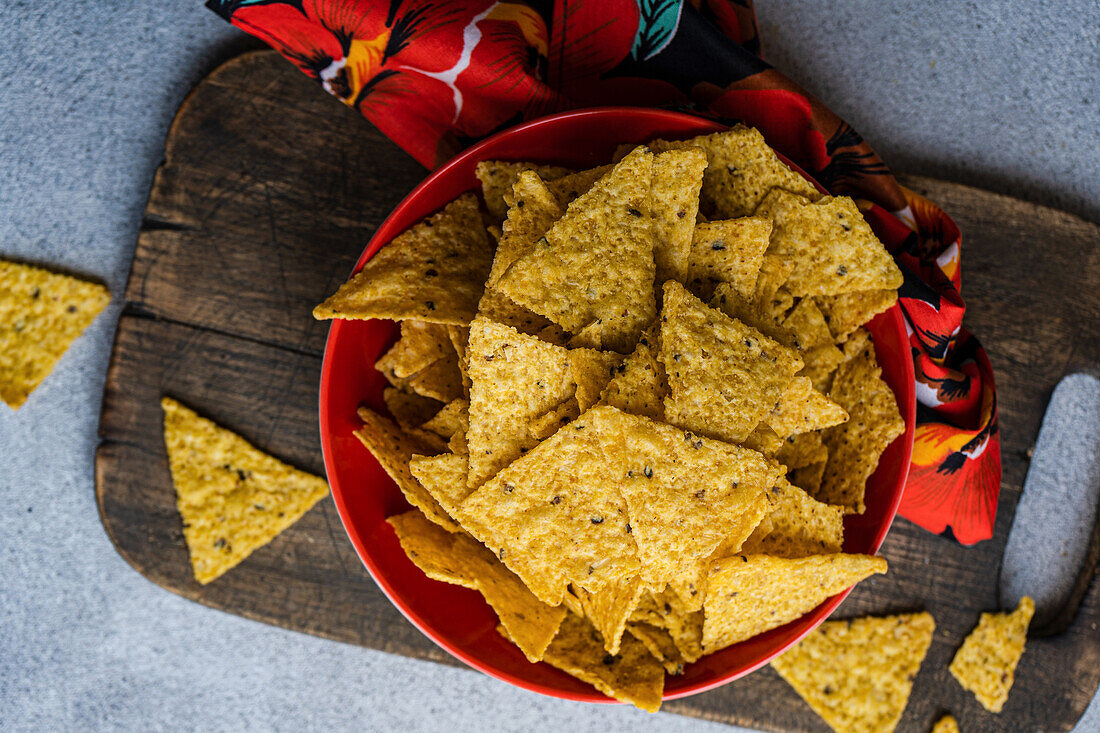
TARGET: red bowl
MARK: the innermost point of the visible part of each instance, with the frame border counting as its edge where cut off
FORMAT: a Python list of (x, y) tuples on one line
[(456, 618)]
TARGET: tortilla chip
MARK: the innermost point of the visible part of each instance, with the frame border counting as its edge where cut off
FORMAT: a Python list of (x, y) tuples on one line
[(802, 409), (41, 314), (592, 371), (444, 477), (673, 204), (459, 335), (633, 675), (409, 410), (723, 376), (454, 417), (667, 610), (609, 609), (766, 309), (741, 170), (393, 449), (570, 187), (807, 325), (808, 478), (855, 447), (750, 594), (846, 312), (946, 724), (514, 379), (595, 264), (796, 526), (612, 496), (498, 177), (434, 271), (830, 243), (533, 209), (857, 675), (498, 307), (639, 385), (763, 439), (457, 559), (421, 344), (820, 365), (799, 451), (660, 644), (232, 497), (730, 251), (986, 662)]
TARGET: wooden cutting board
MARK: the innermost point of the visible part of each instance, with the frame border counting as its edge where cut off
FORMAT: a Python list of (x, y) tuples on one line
[(268, 193)]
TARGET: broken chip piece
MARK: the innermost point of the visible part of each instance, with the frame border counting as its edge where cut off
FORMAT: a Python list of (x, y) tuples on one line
[(986, 662)]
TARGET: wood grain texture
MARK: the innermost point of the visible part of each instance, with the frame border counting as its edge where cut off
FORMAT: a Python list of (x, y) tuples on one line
[(268, 193)]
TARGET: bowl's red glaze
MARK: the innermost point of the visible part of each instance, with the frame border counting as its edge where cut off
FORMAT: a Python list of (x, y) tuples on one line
[(455, 618)]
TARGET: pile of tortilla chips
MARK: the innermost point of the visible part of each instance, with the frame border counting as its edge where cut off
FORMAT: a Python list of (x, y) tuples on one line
[(636, 421)]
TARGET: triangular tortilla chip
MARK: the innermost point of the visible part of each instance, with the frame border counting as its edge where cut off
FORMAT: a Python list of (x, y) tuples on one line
[(667, 610), (763, 440), (434, 272), (723, 376), (441, 380), (802, 409), (820, 365), (673, 204), (857, 675), (986, 662), (639, 385), (41, 314), (729, 251), (498, 177), (533, 209), (498, 307), (421, 345), (393, 449), (633, 675), (830, 243), (750, 594), (444, 477), (660, 644), (797, 525), (873, 423), (569, 187), (457, 559), (409, 410), (514, 378), (946, 724), (592, 370), (610, 496), (808, 478), (808, 326), (595, 264), (454, 417), (609, 610), (741, 170), (846, 312), (799, 451), (232, 497)]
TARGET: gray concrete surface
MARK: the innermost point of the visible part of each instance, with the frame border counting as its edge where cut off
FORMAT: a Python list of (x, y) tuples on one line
[(1000, 95)]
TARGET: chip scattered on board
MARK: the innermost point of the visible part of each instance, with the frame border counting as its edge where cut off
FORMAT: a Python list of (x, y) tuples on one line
[(633, 675), (946, 724), (802, 409), (723, 376), (797, 525), (498, 176), (41, 314), (595, 264), (514, 379), (609, 610), (857, 675), (830, 244), (639, 385), (232, 497), (393, 448), (729, 251), (750, 594), (460, 560), (741, 170), (434, 271), (873, 423), (611, 496), (986, 662), (673, 204), (846, 312), (421, 344)]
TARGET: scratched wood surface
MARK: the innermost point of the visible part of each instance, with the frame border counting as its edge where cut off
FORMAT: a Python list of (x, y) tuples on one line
[(268, 193)]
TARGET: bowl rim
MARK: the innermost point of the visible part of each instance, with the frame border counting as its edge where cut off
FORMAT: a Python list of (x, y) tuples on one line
[(474, 152)]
